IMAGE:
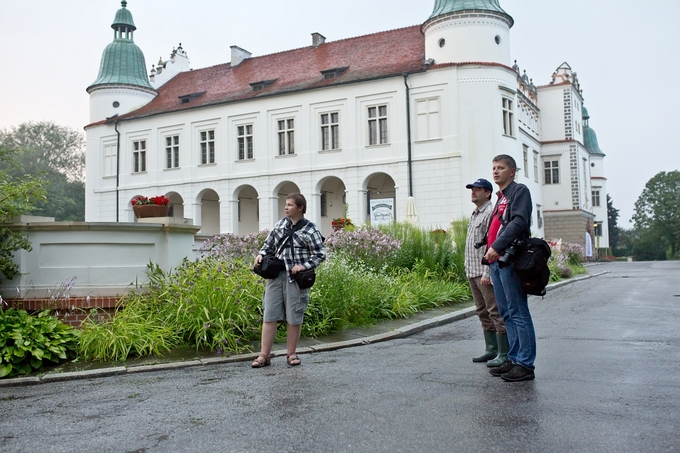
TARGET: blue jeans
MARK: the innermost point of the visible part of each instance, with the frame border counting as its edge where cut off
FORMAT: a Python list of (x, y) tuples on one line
[(513, 307)]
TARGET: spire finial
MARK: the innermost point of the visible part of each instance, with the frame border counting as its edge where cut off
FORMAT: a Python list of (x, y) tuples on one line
[(123, 3)]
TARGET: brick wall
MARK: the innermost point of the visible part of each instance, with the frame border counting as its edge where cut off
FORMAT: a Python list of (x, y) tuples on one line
[(568, 226), (72, 311)]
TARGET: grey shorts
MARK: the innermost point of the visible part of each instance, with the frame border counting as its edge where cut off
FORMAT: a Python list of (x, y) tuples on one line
[(284, 301)]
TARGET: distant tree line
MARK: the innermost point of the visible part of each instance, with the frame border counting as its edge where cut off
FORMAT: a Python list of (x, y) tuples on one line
[(656, 231)]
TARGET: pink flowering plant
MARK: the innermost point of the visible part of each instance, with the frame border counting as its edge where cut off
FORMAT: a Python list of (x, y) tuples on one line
[(369, 245), (565, 260), (232, 246)]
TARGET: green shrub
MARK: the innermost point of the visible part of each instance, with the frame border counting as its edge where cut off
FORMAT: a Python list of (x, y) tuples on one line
[(27, 341), (565, 272)]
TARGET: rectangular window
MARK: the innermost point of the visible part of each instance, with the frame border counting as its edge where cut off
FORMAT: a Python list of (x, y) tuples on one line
[(525, 150), (552, 172), (207, 147), (535, 166), (377, 125), (427, 119), (109, 160), (324, 204), (286, 137), (508, 117), (139, 156), (596, 198), (330, 131), (172, 151), (245, 142)]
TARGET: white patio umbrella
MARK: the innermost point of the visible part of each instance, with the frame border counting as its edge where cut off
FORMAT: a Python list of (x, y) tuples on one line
[(411, 212)]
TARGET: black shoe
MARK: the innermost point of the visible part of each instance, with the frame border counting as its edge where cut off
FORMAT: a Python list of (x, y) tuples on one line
[(518, 373), (498, 370)]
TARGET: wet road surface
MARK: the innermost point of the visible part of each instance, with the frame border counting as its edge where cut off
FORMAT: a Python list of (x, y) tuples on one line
[(606, 381)]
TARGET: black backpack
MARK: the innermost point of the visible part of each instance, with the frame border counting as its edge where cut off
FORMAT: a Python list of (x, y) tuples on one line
[(531, 265)]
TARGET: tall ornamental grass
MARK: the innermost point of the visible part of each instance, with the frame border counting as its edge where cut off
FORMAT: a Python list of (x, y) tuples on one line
[(350, 293), (209, 304), (440, 252)]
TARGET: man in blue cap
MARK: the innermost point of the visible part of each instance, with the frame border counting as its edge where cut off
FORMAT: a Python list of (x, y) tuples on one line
[(479, 276)]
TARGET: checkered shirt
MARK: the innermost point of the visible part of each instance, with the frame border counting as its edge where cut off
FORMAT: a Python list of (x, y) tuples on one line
[(479, 224), (308, 249)]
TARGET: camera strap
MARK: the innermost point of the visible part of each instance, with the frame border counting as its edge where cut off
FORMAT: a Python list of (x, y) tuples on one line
[(287, 238)]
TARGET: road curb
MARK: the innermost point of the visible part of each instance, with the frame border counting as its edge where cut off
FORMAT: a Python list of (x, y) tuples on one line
[(400, 332)]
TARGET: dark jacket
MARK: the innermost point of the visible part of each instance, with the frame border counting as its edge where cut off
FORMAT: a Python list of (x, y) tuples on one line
[(516, 221)]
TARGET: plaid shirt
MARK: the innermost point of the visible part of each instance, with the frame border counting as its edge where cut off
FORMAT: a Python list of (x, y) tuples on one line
[(479, 224), (308, 249)]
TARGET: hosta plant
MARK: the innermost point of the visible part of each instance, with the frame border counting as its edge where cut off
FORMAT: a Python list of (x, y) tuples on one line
[(28, 341)]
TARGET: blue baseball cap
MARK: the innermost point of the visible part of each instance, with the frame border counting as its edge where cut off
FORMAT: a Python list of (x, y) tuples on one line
[(481, 182)]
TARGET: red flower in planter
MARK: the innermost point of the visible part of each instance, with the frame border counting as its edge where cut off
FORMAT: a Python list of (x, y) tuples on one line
[(341, 222), (159, 200)]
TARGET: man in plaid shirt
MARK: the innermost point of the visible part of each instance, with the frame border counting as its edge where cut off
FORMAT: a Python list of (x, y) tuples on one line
[(298, 242), (479, 276)]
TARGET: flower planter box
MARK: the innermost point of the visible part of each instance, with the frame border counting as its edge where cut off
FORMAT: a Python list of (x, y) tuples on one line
[(150, 210)]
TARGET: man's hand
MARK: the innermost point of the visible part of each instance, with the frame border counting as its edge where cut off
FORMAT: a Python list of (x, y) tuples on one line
[(258, 260), (297, 268), (486, 281), (491, 255)]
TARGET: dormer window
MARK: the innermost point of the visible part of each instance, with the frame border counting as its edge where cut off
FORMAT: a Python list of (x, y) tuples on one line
[(185, 99), (333, 73), (259, 86)]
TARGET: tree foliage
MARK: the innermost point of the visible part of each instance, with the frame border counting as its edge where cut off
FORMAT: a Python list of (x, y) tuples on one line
[(657, 212), (626, 240), (612, 224), (56, 155), (17, 196)]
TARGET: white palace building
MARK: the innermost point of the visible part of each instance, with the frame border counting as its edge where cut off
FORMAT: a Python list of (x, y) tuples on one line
[(414, 112)]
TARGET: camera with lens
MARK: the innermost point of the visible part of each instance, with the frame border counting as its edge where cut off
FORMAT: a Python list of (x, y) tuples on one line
[(478, 244), (509, 254)]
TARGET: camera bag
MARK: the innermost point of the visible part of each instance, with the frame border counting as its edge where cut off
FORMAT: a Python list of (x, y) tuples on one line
[(269, 267), (531, 265)]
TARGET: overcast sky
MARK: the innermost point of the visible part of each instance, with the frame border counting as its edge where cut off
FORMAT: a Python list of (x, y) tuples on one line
[(624, 51)]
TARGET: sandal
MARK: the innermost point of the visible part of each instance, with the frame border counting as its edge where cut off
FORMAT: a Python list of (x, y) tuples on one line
[(261, 361), (293, 359)]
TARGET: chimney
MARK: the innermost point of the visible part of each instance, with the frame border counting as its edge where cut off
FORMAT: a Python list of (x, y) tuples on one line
[(318, 39), (238, 55)]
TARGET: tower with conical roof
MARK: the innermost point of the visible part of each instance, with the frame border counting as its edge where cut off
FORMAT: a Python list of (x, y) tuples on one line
[(122, 84), (598, 181), (460, 31)]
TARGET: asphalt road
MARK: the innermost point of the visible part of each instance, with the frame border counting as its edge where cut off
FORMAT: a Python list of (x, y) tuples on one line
[(606, 381)]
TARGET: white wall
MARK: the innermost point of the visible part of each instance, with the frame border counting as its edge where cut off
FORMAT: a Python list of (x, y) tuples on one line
[(107, 259), (468, 37)]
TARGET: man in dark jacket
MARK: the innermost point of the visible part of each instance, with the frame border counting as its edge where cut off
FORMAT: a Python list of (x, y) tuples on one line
[(510, 221)]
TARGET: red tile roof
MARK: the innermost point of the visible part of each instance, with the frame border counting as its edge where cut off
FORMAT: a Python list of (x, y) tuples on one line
[(379, 55)]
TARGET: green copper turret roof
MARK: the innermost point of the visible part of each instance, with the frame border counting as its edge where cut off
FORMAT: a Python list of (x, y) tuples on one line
[(123, 17), (122, 61), (442, 7), (590, 141), (589, 135)]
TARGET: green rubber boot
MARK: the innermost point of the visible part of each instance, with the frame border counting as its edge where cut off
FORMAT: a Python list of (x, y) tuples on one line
[(491, 347), (503, 348)]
